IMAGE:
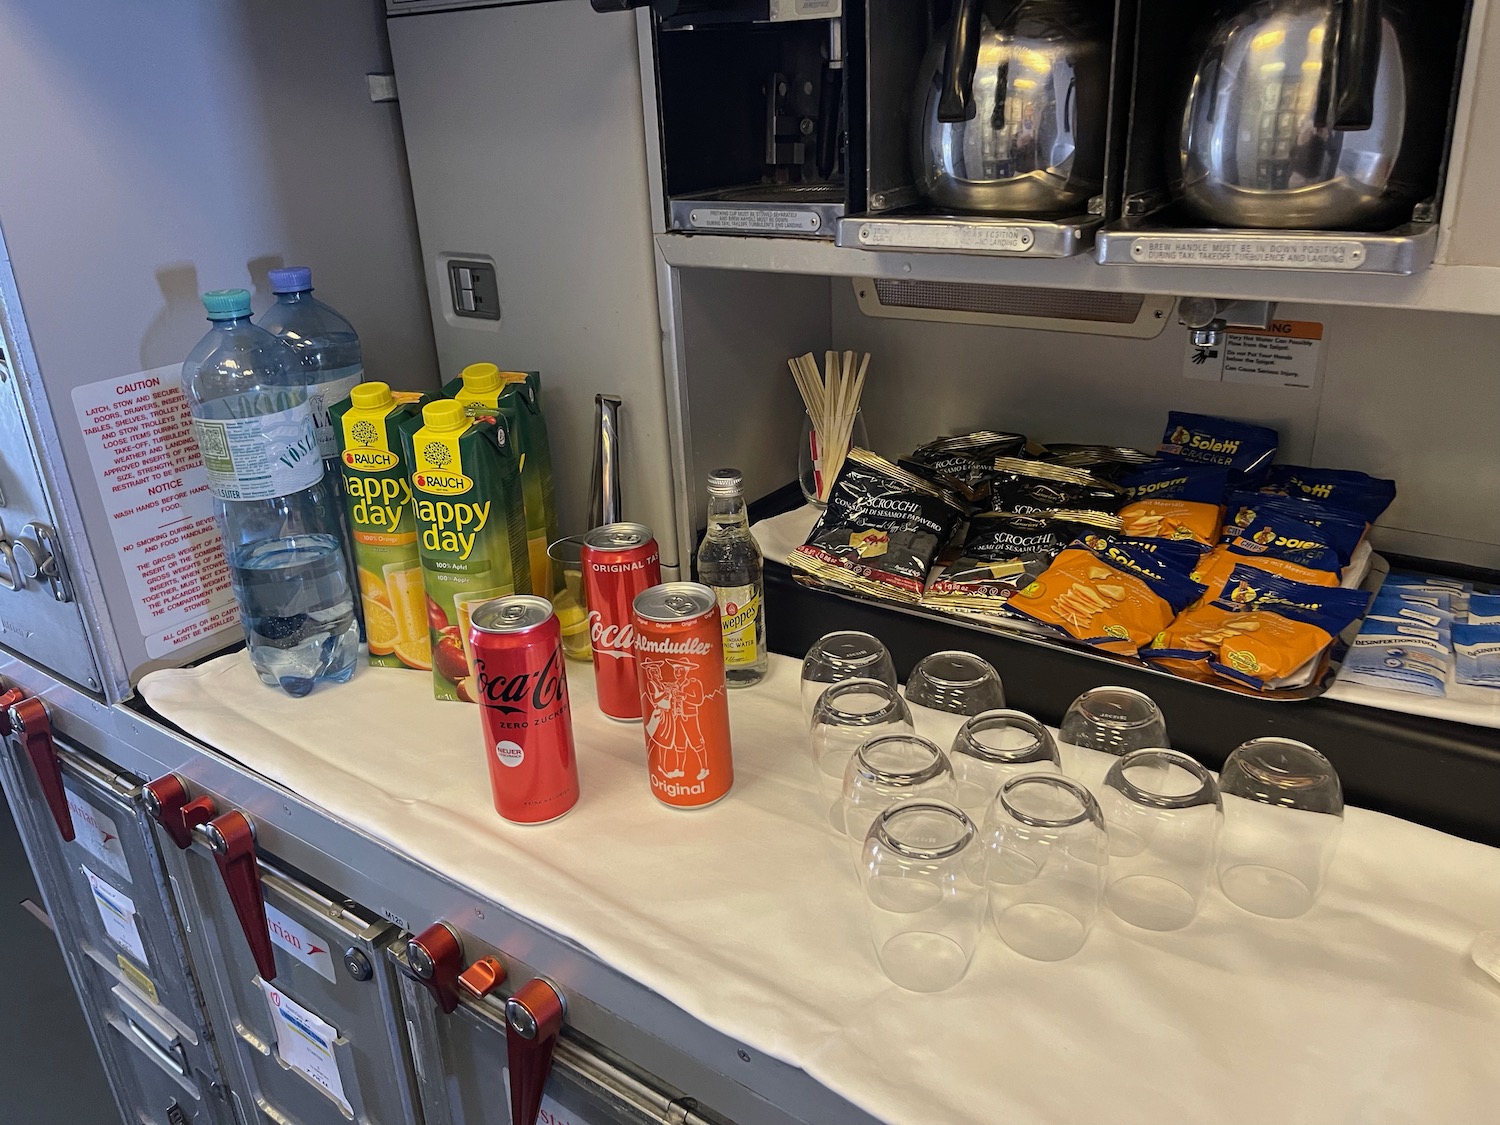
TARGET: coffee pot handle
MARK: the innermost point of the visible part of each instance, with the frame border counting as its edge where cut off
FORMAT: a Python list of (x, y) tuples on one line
[(956, 101), (1356, 63)]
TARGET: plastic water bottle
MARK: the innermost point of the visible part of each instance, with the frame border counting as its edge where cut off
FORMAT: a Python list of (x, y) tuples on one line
[(276, 511), (332, 366), (325, 343)]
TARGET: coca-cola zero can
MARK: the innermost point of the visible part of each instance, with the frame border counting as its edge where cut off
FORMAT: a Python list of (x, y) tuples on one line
[(523, 696), (619, 561), (679, 648)]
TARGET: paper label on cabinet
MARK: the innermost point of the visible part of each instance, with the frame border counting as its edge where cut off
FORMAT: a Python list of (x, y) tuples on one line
[(96, 832), (1288, 353), (117, 912), (300, 942), (139, 434), (305, 1043), (139, 980)]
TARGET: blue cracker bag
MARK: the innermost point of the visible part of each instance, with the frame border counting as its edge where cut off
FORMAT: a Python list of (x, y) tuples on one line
[(1343, 530), (1277, 535), (1246, 449), (1400, 655), (1178, 555), (1339, 488), (1175, 500), (1477, 653)]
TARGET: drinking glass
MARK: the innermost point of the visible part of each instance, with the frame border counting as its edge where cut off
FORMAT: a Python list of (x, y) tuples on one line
[(948, 684), (1047, 852), (891, 768), (1108, 721), (844, 655), (569, 601), (923, 907), (1283, 810), (994, 747), (1163, 813), (847, 715)]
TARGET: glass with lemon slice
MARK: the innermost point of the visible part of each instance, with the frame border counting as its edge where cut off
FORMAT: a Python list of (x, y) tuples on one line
[(568, 602)]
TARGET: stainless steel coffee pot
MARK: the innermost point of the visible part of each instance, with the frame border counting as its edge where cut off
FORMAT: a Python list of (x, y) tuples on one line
[(1012, 106), (1311, 114)]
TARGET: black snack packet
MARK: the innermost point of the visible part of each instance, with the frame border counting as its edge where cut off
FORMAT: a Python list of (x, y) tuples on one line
[(1038, 486), (1108, 462), (965, 459), (881, 531), (1006, 551)]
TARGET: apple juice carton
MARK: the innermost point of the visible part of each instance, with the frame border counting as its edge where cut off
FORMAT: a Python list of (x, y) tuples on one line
[(382, 524), (471, 529), (517, 396)]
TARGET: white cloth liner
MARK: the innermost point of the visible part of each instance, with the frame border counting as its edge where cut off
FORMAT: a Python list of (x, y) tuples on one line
[(748, 916)]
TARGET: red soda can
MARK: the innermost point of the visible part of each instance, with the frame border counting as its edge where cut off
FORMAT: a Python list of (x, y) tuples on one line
[(619, 561), (679, 645), (523, 697)]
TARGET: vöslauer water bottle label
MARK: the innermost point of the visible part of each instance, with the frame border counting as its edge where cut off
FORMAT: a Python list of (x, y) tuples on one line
[(321, 396), (260, 457)]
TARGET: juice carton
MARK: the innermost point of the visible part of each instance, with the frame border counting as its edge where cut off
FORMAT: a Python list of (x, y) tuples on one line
[(377, 492), (471, 529), (517, 397)]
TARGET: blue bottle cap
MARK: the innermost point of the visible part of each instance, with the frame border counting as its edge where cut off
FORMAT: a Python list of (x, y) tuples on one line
[(226, 304), (291, 279)]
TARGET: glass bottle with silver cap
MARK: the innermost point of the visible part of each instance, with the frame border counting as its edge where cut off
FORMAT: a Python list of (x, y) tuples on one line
[(731, 564)]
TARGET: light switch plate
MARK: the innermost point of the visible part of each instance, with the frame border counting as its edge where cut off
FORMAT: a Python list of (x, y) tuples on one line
[(473, 289)]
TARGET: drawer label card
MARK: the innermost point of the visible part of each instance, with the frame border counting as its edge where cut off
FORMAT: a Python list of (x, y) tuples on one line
[(305, 1043), (98, 835), (300, 942), (117, 912)]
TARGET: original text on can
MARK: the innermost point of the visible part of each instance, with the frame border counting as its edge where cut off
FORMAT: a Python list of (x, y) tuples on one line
[(680, 652), (523, 696), (620, 560)]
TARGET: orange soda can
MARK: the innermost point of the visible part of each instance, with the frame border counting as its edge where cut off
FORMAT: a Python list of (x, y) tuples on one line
[(679, 653)]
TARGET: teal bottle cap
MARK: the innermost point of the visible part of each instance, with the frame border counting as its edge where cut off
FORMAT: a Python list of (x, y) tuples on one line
[(226, 304)]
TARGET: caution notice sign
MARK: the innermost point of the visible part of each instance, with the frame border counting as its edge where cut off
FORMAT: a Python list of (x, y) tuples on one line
[(1286, 353)]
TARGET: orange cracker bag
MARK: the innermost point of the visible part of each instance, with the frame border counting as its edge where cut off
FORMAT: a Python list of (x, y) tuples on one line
[(1106, 594)]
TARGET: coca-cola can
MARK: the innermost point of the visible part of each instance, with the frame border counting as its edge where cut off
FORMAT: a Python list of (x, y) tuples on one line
[(523, 697), (619, 561), (679, 648)]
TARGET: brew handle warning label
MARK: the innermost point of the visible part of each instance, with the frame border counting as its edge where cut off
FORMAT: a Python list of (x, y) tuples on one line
[(139, 434)]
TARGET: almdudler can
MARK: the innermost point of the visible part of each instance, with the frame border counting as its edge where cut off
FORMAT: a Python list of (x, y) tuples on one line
[(679, 647), (619, 561), (523, 697)]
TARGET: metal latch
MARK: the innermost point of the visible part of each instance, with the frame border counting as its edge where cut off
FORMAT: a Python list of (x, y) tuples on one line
[(34, 556)]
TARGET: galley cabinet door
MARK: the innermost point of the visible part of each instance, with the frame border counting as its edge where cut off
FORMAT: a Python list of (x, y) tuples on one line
[(460, 1061), (322, 1042), (122, 943)]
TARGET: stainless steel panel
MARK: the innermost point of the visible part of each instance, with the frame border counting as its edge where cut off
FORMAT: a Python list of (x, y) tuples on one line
[(161, 1064), (368, 1052), (1404, 251), (34, 619), (720, 215), (524, 133), (970, 234)]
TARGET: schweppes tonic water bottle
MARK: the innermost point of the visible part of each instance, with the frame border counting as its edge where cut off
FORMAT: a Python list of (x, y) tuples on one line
[(730, 563)]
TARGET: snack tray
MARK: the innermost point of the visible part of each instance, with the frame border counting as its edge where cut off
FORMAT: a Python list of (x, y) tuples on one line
[(779, 535)]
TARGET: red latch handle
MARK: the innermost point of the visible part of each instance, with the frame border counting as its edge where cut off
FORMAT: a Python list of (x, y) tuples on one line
[(166, 799), (28, 719), (233, 842), (8, 700), (533, 1017), (435, 957)]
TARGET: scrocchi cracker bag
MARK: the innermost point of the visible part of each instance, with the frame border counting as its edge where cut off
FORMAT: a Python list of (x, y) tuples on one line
[(1108, 595), (962, 462), (1019, 485), (1175, 500), (881, 531)]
